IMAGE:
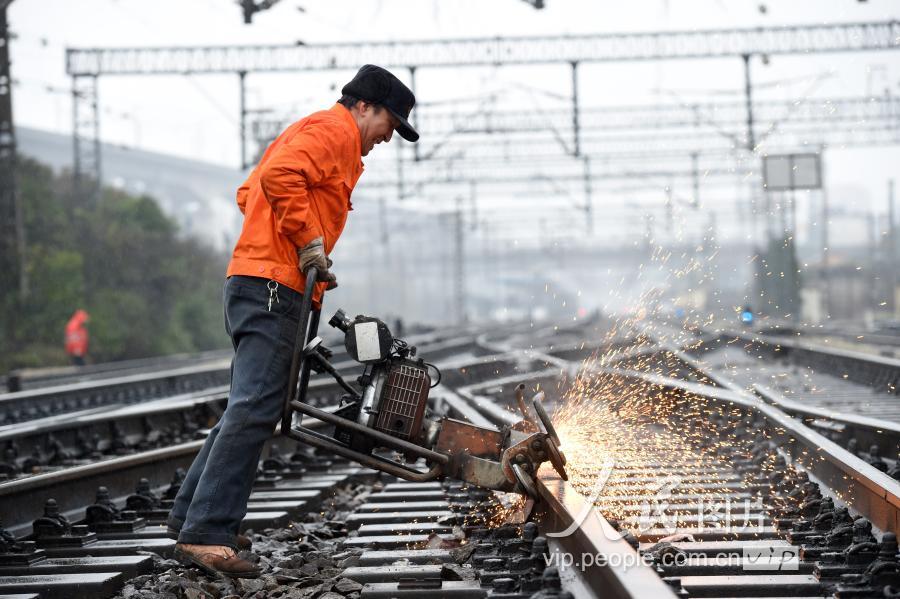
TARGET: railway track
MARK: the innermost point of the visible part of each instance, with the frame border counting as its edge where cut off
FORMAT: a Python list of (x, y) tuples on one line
[(739, 449), (108, 392), (828, 377), (849, 397), (670, 433)]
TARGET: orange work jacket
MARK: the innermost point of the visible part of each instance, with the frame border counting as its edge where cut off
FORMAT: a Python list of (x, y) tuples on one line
[(300, 190), (76, 334)]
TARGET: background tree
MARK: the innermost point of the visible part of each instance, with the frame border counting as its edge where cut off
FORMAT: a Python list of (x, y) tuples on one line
[(148, 290)]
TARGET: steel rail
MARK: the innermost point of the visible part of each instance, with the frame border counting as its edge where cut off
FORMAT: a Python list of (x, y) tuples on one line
[(22, 500), (31, 404), (34, 403), (839, 426), (878, 372), (878, 338), (868, 490), (34, 378), (623, 575), (863, 487), (131, 424)]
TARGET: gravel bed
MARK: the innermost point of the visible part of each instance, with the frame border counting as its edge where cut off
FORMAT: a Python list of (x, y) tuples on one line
[(301, 561)]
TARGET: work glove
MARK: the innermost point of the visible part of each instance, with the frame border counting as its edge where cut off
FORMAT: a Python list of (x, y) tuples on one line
[(313, 254)]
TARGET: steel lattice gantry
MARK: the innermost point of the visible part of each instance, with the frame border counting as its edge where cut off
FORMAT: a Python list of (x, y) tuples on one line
[(841, 37), (242, 60), (86, 136)]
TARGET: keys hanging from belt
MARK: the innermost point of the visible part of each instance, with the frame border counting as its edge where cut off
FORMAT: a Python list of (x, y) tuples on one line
[(272, 286)]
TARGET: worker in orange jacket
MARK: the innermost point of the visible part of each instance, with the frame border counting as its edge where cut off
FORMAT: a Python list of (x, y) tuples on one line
[(77, 337), (295, 204)]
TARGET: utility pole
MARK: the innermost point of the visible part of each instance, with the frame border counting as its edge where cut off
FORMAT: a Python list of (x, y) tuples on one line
[(12, 225), (872, 228), (383, 237), (751, 144), (412, 88), (401, 190), (588, 195), (892, 248), (826, 251), (576, 127), (458, 266), (242, 76), (748, 95), (695, 201), (473, 205), (648, 234)]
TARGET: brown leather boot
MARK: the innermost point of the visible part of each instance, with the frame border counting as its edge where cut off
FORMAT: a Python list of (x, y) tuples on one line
[(214, 564), (243, 542)]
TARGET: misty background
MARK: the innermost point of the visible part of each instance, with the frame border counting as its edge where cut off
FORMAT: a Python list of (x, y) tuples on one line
[(484, 224)]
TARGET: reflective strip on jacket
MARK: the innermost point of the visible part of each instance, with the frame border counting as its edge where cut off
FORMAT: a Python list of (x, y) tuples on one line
[(300, 190)]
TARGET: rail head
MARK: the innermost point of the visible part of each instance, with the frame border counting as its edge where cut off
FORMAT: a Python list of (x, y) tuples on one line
[(597, 549)]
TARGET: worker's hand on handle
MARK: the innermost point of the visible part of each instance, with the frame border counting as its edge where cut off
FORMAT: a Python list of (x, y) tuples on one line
[(313, 254)]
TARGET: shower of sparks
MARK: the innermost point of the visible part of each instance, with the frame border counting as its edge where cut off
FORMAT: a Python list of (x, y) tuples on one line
[(508, 508), (672, 450), (663, 444)]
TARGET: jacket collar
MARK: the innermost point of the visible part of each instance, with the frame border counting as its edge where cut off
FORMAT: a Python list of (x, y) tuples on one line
[(349, 121), (347, 118)]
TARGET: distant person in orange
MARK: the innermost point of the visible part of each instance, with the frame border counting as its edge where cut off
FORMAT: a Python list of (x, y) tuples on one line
[(77, 337)]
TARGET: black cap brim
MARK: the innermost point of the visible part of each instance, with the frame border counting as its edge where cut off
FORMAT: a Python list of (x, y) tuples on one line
[(405, 130)]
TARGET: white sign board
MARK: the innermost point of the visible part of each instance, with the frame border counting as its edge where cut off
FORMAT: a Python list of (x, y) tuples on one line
[(787, 172)]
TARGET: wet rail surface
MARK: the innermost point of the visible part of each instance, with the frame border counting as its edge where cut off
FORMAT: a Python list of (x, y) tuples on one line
[(331, 527)]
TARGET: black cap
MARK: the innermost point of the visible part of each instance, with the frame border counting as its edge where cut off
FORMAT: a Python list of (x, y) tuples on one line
[(379, 86)]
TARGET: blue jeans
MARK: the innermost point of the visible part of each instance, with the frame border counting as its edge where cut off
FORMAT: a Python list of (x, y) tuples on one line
[(213, 497)]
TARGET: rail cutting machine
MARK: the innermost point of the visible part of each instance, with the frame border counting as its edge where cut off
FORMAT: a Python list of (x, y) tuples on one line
[(388, 411)]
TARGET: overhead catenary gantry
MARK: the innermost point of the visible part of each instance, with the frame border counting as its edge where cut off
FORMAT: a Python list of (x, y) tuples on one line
[(584, 163), (501, 51)]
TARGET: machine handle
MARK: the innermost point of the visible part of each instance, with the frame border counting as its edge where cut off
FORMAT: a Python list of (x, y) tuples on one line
[(382, 438), (307, 328), (315, 439)]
